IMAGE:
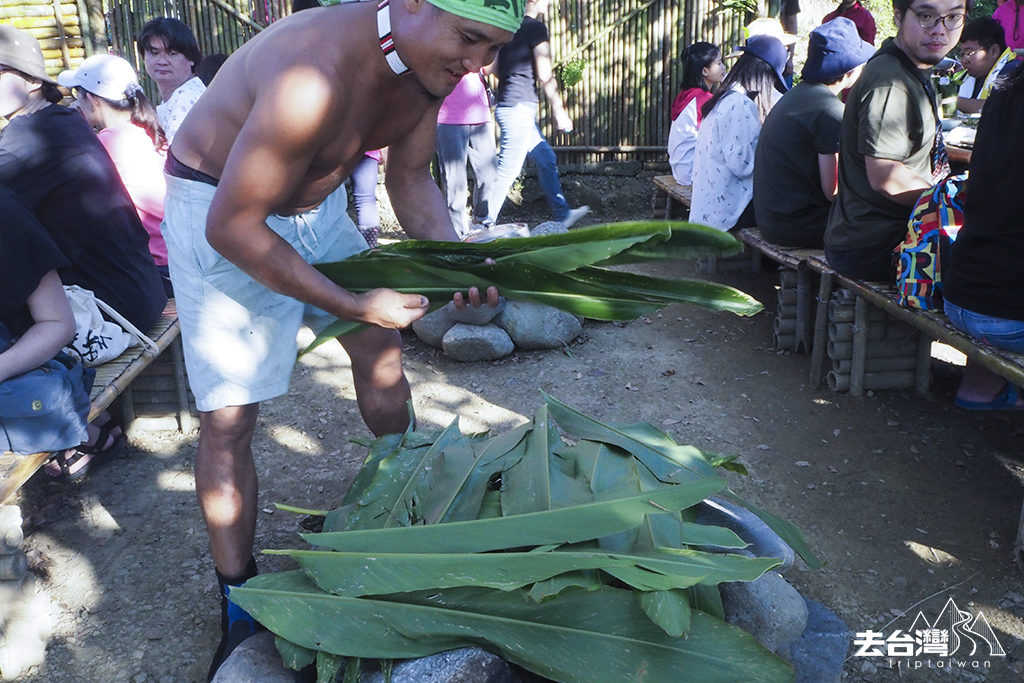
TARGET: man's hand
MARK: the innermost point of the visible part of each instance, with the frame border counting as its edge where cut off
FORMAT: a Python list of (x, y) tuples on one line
[(392, 310), (474, 298)]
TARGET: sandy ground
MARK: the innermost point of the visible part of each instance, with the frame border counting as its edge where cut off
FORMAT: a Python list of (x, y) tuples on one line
[(908, 500)]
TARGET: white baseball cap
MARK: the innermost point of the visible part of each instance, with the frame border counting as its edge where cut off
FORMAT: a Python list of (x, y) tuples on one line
[(107, 76)]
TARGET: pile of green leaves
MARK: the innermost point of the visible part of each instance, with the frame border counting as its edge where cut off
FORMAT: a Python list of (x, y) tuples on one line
[(576, 558), (568, 271)]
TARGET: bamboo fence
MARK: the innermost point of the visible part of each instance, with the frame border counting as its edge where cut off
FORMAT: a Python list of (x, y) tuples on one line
[(620, 108)]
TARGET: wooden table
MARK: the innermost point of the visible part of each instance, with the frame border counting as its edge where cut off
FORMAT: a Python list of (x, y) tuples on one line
[(958, 155)]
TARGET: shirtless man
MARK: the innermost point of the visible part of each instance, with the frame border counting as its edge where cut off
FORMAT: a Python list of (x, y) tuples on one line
[(255, 195)]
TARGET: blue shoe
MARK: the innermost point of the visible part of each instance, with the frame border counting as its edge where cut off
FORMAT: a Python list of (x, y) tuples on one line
[(1004, 400)]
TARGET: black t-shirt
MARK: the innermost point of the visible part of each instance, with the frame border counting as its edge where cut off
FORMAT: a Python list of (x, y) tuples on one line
[(516, 78), (53, 160), (26, 254), (791, 208), (984, 266)]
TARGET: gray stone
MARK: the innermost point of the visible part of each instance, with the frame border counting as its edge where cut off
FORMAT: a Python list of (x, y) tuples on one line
[(769, 609), (465, 665), (535, 326), (255, 659), (818, 654), (763, 541), (431, 327), (476, 342), (548, 228), (474, 315)]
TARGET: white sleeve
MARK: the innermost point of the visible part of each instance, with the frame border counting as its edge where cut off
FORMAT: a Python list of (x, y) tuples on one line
[(682, 139)]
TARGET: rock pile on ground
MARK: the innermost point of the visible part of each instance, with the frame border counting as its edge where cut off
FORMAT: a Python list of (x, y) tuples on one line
[(484, 333)]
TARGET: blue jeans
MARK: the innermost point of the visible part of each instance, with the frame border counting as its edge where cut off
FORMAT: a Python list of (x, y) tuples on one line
[(999, 332), (521, 138), (455, 144)]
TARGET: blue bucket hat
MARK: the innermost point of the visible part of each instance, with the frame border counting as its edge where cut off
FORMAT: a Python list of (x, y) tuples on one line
[(769, 49), (833, 49)]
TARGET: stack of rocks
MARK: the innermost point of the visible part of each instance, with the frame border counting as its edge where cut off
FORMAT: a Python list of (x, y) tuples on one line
[(484, 333), (24, 624), (891, 353)]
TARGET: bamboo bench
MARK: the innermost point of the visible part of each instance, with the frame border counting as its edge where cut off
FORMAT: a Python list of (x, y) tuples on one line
[(931, 325), (670, 200), (113, 379)]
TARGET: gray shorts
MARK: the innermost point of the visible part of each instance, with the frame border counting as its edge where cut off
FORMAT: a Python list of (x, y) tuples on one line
[(239, 336)]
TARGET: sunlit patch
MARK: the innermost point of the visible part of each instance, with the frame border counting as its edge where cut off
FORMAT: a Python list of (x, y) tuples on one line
[(931, 555), (822, 402), (176, 480), (948, 354), (437, 404)]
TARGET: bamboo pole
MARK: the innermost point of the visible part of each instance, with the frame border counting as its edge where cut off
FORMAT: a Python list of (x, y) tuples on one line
[(872, 381)]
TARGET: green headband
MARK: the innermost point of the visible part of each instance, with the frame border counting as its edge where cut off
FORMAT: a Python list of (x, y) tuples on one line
[(503, 14)]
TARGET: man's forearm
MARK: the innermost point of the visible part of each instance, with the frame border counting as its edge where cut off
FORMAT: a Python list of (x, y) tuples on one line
[(420, 207)]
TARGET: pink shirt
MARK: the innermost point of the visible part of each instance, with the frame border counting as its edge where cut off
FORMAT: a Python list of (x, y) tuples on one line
[(467, 104), (1011, 16), (141, 169)]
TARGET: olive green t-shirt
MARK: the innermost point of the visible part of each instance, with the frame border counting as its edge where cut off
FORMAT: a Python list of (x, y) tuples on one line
[(889, 115)]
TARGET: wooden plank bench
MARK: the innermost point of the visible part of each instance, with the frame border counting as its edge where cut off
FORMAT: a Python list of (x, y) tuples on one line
[(670, 200), (792, 258), (113, 379), (932, 325)]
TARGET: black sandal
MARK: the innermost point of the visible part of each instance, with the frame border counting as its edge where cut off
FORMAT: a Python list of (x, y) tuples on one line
[(73, 463)]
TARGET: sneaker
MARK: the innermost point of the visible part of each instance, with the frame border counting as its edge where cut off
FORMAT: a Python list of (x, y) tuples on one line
[(574, 215), (371, 234)]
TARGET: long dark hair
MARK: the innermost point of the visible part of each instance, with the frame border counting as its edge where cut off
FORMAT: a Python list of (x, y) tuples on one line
[(143, 114), (695, 59), (756, 76)]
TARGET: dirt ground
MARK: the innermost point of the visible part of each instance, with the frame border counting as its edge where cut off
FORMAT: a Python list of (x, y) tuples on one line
[(909, 500)]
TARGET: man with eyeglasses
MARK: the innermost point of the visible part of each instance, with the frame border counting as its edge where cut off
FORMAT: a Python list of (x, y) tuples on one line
[(891, 147), (984, 54)]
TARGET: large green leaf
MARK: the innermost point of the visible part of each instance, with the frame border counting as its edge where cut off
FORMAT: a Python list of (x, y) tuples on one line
[(393, 497), (582, 636), (357, 574), (686, 464), (710, 295), (669, 609), (688, 240), (563, 525)]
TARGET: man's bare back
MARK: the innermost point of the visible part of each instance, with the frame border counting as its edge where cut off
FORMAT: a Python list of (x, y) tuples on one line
[(328, 60)]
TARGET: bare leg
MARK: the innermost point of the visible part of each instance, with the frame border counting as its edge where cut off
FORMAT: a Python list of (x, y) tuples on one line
[(381, 387), (226, 484), (980, 385)]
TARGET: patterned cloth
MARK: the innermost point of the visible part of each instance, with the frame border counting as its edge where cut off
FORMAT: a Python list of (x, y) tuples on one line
[(172, 112)]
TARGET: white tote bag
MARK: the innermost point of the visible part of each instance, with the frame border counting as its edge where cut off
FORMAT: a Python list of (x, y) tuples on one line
[(97, 340)]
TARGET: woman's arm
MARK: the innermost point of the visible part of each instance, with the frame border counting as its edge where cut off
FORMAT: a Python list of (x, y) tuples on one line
[(546, 78), (53, 327)]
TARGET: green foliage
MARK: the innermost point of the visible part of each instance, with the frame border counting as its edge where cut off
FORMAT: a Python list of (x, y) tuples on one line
[(570, 73), (568, 271), (572, 557)]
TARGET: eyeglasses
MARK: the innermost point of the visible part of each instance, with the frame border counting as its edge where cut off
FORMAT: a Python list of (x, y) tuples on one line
[(971, 53), (929, 20)]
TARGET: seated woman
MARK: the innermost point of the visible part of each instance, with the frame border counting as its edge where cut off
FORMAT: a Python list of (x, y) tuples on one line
[(703, 70), (35, 310), (981, 281), (50, 157), (108, 94), (723, 164)]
